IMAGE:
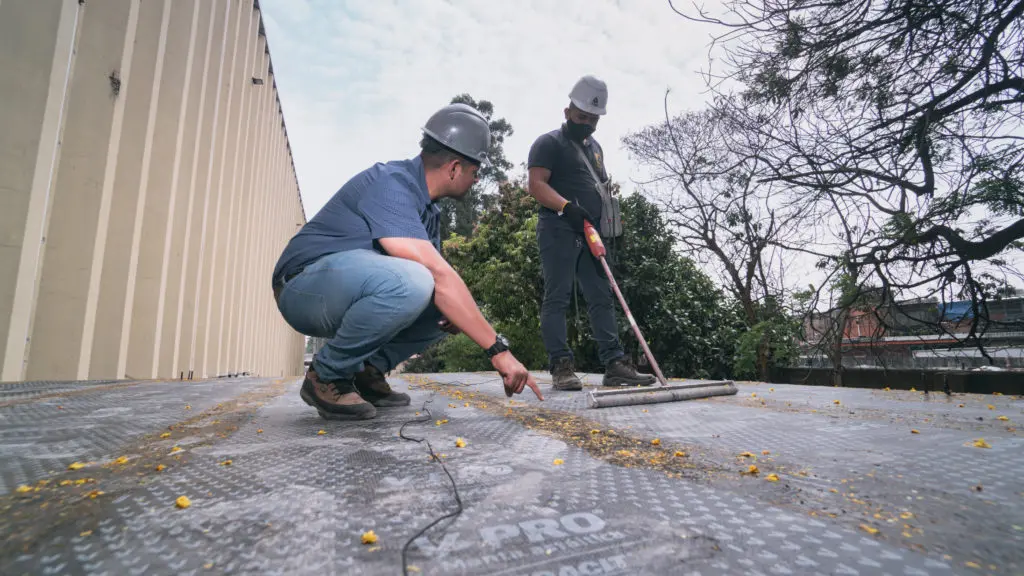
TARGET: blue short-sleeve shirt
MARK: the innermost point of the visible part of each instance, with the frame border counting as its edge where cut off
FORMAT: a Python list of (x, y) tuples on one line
[(387, 200)]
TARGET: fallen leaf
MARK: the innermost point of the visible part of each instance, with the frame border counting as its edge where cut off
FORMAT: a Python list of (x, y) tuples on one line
[(460, 443), (466, 405), (24, 488), (752, 470), (972, 565), (746, 455), (960, 406), (655, 442), (175, 449), (991, 407), (836, 402), (165, 435), (833, 490), (369, 537), (980, 443), (208, 565), (558, 462), (321, 433), (912, 389), (260, 431), (680, 454), (86, 533), (160, 467), (226, 463), (595, 431), (907, 515), (765, 452), (887, 389), (182, 502), (65, 482), (753, 394), (915, 431), (1003, 418), (869, 529), (772, 477), (187, 407), (121, 460), (907, 535), (771, 389), (76, 466), (95, 493)]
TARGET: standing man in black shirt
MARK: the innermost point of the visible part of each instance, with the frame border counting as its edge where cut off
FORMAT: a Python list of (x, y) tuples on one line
[(568, 178)]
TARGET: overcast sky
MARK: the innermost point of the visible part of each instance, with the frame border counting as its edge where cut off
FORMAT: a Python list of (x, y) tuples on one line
[(358, 79)]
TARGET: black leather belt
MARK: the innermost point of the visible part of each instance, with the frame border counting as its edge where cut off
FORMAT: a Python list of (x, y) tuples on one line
[(279, 285)]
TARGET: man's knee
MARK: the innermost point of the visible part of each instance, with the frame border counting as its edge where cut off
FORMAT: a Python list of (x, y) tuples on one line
[(416, 285)]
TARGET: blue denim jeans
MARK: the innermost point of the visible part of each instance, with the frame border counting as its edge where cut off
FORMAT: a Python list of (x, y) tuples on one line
[(370, 307)]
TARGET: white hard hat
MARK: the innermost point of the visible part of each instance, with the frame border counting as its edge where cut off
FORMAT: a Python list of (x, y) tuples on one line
[(590, 95)]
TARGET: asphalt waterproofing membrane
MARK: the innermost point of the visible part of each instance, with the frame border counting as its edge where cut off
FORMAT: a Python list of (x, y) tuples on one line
[(878, 483)]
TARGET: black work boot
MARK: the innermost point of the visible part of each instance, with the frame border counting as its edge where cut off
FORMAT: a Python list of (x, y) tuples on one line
[(335, 400), (620, 372), (563, 375), (375, 388)]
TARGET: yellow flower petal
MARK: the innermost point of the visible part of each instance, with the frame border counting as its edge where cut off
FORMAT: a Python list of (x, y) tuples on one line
[(369, 537), (182, 502)]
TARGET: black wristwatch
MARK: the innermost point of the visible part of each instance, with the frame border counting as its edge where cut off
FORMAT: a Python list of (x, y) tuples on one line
[(500, 345)]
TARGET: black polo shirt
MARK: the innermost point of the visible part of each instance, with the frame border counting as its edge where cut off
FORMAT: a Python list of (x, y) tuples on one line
[(569, 176)]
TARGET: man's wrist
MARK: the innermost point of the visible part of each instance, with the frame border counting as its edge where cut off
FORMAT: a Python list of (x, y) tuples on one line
[(500, 345)]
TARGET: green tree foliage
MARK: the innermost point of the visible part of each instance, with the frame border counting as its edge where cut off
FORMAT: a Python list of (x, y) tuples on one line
[(899, 118), (461, 216)]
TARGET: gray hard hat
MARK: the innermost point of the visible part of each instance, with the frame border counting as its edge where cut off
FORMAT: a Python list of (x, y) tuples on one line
[(590, 95), (463, 129)]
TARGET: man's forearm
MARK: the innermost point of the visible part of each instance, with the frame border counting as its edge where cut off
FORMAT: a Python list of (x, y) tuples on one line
[(453, 299), (547, 195)]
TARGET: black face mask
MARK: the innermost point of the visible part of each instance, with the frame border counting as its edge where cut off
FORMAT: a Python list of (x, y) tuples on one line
[(578, 131)]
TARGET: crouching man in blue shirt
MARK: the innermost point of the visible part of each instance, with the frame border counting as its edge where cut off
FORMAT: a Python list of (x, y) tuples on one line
[(367, 274)]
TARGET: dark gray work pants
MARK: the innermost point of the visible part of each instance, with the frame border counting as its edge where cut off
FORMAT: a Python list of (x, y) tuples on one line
[(564, 256)]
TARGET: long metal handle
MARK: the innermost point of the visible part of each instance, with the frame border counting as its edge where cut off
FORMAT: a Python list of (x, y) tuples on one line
[(632, 322)]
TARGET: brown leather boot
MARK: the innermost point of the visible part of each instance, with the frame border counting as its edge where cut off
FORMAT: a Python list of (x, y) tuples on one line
[(372, 385), (563, 375), (335, 400), (620, 372)]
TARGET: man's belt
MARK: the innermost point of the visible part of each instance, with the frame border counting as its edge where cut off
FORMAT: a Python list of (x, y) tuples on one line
[(280, 284)]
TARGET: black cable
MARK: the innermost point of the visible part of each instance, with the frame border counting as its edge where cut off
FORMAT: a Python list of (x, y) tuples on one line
[(455, 489)]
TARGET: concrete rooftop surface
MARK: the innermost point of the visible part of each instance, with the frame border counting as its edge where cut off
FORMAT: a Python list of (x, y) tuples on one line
[(778, 479)]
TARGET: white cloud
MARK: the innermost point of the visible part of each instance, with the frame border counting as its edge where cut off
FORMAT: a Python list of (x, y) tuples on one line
[(358, 79)]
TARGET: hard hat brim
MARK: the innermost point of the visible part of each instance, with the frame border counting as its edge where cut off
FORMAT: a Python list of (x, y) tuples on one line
[(482, 160), (597, 110)]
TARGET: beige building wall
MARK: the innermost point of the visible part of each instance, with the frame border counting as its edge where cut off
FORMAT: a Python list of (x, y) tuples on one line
[(146, 189)]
